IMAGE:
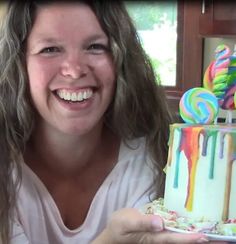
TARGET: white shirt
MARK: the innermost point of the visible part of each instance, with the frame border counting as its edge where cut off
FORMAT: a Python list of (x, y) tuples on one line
[(129, 184)]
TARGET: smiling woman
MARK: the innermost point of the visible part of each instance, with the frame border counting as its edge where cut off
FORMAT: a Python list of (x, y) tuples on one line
[(83, 127), (65, 57)]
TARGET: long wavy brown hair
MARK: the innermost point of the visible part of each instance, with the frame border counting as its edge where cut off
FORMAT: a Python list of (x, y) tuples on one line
[(139, 107)]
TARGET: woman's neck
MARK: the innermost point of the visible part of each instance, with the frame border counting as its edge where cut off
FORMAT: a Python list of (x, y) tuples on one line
[(66, 154)]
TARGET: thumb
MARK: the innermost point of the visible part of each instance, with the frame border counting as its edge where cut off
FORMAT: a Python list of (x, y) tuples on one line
[(132, 220), (149, 223)]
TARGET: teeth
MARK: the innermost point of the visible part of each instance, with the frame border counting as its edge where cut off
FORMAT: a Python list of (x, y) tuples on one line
[(87, 94), (75, 96), (80, 96)]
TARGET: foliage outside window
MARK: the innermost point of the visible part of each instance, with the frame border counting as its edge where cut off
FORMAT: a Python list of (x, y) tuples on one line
[(156, 22)]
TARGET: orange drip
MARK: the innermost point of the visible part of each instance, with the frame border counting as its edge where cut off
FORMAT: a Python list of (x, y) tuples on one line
[(190, 146)]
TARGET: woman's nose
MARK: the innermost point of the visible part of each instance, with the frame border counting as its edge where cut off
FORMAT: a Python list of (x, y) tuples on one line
[(74, 66)]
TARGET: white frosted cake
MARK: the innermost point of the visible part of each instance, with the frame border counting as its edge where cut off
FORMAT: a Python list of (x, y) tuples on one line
[(201, 172), (200, 187)]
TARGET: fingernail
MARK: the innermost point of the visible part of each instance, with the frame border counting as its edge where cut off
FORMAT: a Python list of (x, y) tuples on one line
[(202, 239), (157, 224)]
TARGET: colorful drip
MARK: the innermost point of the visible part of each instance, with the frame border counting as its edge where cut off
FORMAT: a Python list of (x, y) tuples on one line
[(189, 144)]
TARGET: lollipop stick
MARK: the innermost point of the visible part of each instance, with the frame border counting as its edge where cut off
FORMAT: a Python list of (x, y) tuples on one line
[(229, 117), (215, 120)]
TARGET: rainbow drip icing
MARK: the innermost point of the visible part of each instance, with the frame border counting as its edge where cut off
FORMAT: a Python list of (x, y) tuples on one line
[(189, 144)]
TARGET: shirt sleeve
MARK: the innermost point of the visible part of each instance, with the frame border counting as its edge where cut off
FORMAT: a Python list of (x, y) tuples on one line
[(143, 192), (18, 236), (137, 181), (142, 183)]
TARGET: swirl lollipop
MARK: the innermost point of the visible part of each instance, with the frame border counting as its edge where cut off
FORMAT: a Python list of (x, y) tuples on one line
[(228, 100), (208, 77), (224, 85), (215, 77), (198, 105), (235, 99), (222, 53), (220, 77), (221, 63), (221, 68)]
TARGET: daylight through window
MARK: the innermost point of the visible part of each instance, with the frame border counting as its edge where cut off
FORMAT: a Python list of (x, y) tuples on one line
[(156, 22)]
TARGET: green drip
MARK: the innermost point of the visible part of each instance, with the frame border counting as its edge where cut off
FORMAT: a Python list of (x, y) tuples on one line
[(212, 160), (176, 178)]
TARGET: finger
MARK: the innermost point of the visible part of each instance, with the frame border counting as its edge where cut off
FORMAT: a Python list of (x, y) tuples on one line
[(131, 220), (165, 237), (148, 223), (172, 237), (218, 242)]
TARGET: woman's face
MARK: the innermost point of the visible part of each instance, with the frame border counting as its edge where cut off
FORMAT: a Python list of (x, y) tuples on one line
[(70, 69)]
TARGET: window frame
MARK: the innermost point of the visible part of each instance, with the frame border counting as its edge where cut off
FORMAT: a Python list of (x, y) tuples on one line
[(189, 53)]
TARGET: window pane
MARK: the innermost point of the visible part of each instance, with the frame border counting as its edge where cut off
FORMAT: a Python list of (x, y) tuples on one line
[(156, 22)]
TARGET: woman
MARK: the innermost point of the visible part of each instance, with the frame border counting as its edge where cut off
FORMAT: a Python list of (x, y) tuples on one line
[(84, 125)]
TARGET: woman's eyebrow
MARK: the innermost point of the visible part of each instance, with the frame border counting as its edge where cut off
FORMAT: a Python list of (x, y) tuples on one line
[(46, 40), (97, 37), (33, 46)]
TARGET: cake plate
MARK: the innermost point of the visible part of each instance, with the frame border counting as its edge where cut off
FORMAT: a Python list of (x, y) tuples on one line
[(211, 237), (215, 231)]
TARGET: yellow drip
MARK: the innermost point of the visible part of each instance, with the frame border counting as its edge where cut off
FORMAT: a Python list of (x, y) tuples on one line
[(193, 159), (225, 214)]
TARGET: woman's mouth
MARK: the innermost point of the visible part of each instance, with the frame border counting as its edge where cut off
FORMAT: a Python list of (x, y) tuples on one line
[(74, 96)]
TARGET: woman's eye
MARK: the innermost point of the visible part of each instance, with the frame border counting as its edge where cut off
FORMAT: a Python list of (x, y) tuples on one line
[(50, 50), (98, 48)]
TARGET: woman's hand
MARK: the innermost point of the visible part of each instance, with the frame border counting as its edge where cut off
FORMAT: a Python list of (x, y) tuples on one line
[(130, 226)]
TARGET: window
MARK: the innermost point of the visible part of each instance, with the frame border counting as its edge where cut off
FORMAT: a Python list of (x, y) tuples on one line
[(156, 22), (189, 44)]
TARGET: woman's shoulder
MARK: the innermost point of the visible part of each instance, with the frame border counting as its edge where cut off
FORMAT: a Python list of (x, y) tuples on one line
[(134, 151), (133, 147)]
